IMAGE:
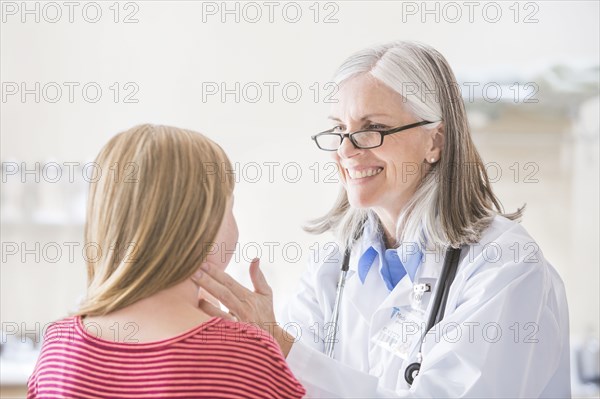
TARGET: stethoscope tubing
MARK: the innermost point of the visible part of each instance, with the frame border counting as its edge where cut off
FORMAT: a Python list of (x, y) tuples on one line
[(435, 316), (331, 336), (333, 326)]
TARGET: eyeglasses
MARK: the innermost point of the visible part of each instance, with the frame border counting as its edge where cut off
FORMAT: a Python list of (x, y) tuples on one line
[(364, 139)]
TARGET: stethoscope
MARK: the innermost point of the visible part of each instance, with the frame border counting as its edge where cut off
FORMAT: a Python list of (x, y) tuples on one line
[(435, 316)]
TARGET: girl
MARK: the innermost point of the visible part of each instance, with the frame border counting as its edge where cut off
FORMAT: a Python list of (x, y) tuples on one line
[(161, 210)]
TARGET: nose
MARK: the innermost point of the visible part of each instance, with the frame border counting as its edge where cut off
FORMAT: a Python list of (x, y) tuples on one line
[(347, 149)]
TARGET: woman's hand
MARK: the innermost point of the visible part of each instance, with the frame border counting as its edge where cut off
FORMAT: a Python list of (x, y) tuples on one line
[(244, 305)]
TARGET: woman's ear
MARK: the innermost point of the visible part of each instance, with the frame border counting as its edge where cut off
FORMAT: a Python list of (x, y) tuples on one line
[(435, 144)]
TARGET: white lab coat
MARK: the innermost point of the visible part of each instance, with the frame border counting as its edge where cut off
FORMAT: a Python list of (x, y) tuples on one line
[(505, 332)]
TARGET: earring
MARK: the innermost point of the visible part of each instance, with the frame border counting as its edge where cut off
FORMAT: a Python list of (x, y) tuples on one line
[(432, 160)]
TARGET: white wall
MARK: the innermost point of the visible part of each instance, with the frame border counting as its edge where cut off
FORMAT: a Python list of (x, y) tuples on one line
[(171, 52)]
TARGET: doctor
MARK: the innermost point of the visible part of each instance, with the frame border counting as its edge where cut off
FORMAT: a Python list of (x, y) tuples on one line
[(445, 295)]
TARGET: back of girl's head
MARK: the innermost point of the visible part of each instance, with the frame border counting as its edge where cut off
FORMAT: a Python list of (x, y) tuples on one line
[(154, 208)]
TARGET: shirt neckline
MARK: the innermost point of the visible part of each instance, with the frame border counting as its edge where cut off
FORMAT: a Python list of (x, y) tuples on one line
[(82, 330)]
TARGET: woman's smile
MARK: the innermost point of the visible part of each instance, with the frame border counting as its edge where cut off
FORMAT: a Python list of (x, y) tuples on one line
[(357, 175), (371, 175)]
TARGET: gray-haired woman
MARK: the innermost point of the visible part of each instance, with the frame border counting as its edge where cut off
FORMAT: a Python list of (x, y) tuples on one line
[(444, 294)]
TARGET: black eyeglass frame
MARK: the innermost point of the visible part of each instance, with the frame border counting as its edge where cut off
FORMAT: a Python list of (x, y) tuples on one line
[(382, 134)]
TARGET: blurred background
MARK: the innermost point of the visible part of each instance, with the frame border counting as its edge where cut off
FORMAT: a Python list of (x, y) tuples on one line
[(254, 76)]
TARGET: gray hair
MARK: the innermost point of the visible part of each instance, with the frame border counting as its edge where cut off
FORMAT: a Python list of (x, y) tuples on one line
[(454, 202)]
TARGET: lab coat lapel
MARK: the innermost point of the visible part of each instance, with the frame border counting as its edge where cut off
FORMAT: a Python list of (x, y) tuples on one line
[(365, 297), (401, 295)]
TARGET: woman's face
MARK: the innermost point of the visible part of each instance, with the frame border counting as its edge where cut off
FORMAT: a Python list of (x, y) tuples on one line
[(225, 240), (382, 178)]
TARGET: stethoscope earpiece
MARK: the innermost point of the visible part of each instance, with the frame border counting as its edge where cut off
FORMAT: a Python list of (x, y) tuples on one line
[(411, 372)]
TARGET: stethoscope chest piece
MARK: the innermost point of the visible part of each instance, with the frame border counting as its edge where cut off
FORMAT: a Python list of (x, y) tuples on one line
[(411, 372), (439, 305), (436, 315)]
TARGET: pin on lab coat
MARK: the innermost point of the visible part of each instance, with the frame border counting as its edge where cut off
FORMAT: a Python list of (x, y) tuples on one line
[(504, 333)]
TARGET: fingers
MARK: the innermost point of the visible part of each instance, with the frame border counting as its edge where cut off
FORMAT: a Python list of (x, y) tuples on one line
[(233, 317), (216, 289), (258, 278), (212, 310), (205, 295), (223, 287), (225, 280), (242, 303)]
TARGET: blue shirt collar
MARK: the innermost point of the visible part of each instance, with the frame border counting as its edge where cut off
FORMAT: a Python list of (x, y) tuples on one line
[(394, 264)]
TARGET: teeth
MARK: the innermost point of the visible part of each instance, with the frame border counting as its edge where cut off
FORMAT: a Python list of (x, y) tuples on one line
[(354, 174)]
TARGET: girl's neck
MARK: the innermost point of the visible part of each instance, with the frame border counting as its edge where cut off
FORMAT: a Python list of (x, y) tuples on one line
[(163, 315)]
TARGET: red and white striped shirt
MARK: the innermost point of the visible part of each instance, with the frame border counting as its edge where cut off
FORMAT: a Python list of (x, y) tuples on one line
[(216, 359)]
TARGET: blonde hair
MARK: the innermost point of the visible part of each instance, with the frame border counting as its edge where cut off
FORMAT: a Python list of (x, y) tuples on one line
[(454, 202), (153, 213)]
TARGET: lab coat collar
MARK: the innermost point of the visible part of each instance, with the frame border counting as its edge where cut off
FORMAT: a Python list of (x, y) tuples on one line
[(372, 295), (365, 297)]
